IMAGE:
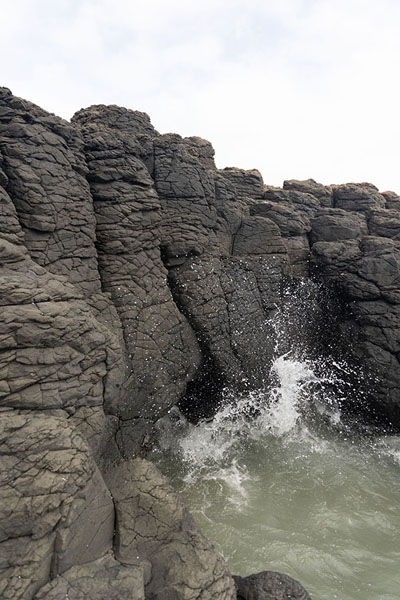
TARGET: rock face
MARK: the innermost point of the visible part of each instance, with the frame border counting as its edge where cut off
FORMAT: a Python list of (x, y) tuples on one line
[(153, 524), (135, 276)]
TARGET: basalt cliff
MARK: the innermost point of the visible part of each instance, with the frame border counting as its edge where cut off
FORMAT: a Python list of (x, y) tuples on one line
[(134, 277)]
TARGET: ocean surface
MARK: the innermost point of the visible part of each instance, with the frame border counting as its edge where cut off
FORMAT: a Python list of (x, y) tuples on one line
[(278, 481)]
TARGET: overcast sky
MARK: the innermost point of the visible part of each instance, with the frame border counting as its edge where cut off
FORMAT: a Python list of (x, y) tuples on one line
[(295, 88)]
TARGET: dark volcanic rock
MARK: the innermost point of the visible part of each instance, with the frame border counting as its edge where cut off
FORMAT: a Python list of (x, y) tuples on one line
[(153, 525), (310, 186), (96, 580), (358, 197), (284, 214), (55, 510), (385, 223), (45, 168), (135, 276), (269, 585), (162, 350), (334, 224), (249, 184)]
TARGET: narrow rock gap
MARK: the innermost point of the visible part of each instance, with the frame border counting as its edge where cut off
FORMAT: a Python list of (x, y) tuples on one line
[(204, 393)]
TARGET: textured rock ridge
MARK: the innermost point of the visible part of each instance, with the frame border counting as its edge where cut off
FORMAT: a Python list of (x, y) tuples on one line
[(82, 362), (135, 276)]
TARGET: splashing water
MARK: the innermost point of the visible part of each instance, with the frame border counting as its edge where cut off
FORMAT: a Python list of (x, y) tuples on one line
[(278, 482)]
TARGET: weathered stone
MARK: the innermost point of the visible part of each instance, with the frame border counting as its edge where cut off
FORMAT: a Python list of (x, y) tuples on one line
[(289, 220), (229, 303), (357, 197), (335, 224), (45, 168), (153, 525), (202, 150), (54, 353), (96, 580), (324, 193), (55, 510), (269, 585), (162, 349), (298, 250), (258, 236), (392, 200), (385, 223), (249, 184), (367, 274), (135, 276)]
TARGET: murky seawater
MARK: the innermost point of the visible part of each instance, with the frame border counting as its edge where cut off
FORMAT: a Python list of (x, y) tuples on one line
[(278, 483)]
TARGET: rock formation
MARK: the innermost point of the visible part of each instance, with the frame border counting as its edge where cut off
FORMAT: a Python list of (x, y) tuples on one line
[(136, 276)]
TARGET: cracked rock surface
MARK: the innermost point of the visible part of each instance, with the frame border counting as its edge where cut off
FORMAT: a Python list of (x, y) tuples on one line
[(135, 276), (154, 526), (269, 585)]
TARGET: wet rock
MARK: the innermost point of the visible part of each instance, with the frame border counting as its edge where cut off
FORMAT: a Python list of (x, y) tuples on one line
[(269, 585), (155, 530), (298, 250), (218, 297), (366, 273), (96, 580), (134, 276)]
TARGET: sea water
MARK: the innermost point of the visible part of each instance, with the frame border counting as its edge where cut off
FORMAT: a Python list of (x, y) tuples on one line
[(278, 481)]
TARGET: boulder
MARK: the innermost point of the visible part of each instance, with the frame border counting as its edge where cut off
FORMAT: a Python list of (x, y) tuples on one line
[(269, 585)]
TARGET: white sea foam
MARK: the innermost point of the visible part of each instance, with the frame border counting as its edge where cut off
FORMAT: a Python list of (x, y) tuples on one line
[(277, 479), (282, 409), (279, 412)]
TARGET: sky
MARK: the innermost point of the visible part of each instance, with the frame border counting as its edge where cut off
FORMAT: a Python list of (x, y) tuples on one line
[(294, 88)]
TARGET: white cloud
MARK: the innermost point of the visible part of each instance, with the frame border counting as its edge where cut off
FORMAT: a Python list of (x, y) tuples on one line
[(296, 88)]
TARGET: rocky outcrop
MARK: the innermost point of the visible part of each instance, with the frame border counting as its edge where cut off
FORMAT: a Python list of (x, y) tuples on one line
[(94, 580), (136, 276), (79, 383), (155, 529), (353, 253), (55, 510)]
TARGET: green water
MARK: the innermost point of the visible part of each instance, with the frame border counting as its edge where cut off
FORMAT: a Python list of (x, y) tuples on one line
[(294, 493)]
